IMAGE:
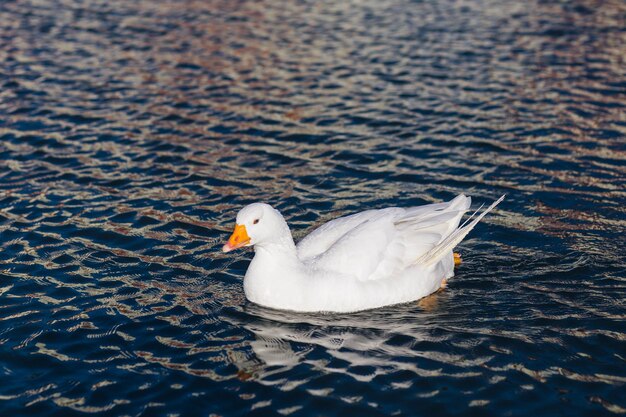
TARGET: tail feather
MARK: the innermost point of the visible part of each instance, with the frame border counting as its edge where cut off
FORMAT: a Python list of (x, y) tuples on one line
[(446, 245)]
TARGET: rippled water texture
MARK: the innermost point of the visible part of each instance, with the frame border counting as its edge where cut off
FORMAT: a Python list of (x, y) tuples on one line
[(132, 131)]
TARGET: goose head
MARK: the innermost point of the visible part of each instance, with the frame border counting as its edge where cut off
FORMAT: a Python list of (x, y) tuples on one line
[(258, 224)]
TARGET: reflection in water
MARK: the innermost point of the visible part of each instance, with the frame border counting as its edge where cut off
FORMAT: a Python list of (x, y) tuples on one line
[(131, 132)]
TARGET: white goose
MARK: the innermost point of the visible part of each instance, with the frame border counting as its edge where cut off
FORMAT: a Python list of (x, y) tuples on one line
[(367, 260)]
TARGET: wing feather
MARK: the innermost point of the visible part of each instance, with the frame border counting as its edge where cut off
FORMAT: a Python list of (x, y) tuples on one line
[(377, 244), (322, 238), (360, 251)]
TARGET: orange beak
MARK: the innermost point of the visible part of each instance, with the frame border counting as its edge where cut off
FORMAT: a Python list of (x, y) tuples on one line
[(238, 239)]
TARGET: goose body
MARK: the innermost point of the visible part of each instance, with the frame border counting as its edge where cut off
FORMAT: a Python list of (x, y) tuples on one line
[(358, 262)]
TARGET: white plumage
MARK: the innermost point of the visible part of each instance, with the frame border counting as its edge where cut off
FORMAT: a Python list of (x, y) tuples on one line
[(358, 262)]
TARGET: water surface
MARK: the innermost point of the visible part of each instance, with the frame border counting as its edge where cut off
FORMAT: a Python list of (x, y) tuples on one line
[(131, 132)]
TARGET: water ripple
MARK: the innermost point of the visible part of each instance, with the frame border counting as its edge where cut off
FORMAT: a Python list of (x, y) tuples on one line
[(131, 132)]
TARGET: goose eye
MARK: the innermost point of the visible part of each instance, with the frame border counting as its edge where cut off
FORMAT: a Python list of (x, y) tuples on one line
[(255, 221)]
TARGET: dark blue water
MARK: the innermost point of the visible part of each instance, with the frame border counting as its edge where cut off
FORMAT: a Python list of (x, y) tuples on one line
[(131, 132)]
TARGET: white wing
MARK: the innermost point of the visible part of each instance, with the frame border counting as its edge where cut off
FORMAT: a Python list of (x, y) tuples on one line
[(322, 238), (379, 243)]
